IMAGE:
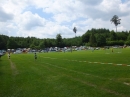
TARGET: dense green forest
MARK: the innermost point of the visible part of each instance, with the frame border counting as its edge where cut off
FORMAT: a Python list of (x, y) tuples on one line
[(94, 37)]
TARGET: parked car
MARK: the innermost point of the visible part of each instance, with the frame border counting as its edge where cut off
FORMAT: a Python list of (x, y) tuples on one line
[(1, 54), (17, 52)]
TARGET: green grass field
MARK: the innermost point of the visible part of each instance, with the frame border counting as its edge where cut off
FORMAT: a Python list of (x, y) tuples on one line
[(78, 74)]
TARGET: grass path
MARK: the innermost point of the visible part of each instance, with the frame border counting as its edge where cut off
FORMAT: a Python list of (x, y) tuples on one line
[(13, 68)]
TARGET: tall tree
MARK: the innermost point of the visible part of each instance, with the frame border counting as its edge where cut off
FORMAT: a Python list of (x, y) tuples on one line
[(128, 38), (92, 40), (75, 30), (3, 41), (41, 45), (101, 40), (85, 37), (59, 40), (113, 36), (11, 44), (115, 19)]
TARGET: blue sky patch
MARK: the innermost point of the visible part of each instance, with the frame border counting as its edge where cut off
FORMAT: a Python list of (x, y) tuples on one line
[(123, 1), (39, 11)]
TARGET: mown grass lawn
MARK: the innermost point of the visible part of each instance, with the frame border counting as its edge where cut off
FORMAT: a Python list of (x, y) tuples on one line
[(78, 74)]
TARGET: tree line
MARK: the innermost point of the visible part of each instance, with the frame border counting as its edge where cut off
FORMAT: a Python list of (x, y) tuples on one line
[(94, 37)]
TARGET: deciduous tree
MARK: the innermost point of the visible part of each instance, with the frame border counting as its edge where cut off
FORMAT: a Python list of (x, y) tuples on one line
[(115, 19)]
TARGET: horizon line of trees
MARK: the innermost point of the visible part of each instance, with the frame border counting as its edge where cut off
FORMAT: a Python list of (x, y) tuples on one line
[(94, 37)]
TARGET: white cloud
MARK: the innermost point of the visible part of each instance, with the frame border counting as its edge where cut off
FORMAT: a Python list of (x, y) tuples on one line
[(29, 21), (4, 16), (16, 20)]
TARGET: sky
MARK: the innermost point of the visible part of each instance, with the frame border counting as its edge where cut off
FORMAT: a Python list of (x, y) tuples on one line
[(47, 18)]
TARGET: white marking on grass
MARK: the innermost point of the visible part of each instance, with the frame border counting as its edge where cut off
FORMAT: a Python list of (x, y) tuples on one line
[(109, 63), (65, 59), (53, 58), (126, 83), (46, 57), (118, 64), (73, 60), (68, 69), (78, 72), (87, 61)]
